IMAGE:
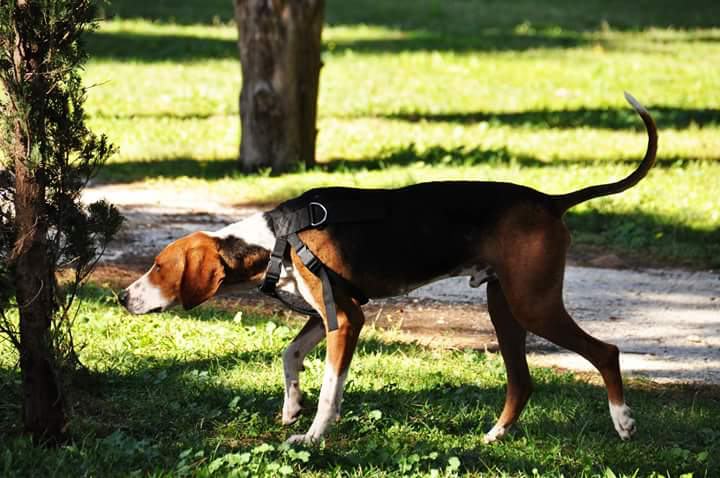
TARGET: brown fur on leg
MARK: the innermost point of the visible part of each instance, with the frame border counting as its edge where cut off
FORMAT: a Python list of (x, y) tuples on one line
[(511, 338)]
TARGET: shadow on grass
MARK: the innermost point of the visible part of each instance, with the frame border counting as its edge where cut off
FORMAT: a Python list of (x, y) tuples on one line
[(131, 171), (604, 118), (451, 16), (184, 404), (125, 46), (162, 406), (641, 234), (459, 16), (561, 410), (425, 25), (10, 400), (486, 40), (183, 12), (468, 157), (666, 117)]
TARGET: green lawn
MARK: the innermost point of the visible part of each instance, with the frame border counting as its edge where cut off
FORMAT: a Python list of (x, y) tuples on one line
[(183, 393), (428, 90)]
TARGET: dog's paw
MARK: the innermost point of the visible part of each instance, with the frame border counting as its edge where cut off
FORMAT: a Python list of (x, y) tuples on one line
[(293, 404), (305, 439), (291, 411), (496, 433), (623, 421)]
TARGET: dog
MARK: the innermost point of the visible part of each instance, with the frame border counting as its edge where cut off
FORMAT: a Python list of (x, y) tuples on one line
[(510, 236)]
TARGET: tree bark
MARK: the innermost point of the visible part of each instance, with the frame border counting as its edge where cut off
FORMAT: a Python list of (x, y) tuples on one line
[(279, 42), (43, 412)]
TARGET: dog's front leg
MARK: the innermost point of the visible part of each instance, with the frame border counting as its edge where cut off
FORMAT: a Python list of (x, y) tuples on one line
[(340, 347), (310, 335)]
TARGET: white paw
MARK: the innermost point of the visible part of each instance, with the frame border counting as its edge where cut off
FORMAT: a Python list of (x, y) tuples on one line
[(291, 411), (622, 419), (292, 406), (495, 434), (305, 439)]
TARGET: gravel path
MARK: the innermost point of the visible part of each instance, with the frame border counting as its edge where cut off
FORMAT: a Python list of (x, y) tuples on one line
[(665, 321)]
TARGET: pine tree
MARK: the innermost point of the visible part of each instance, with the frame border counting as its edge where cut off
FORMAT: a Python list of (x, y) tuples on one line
[(47, 157)]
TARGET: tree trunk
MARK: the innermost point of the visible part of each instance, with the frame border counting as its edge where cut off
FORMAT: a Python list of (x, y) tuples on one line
[(279, 43), (42, 409), (43, 413)]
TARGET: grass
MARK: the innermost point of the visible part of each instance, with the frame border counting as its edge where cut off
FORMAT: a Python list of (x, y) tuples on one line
[(179, 394), (429, 90)]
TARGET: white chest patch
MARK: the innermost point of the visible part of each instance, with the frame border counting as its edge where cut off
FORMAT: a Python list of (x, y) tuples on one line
[(254, 230)]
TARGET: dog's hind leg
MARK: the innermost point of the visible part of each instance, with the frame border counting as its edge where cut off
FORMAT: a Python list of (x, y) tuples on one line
[(564, 332), (530, 265), (534, 294), (511, 338), (308, 337)]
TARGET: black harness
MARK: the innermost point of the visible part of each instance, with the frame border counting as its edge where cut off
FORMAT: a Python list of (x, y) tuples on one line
[(315, 215)]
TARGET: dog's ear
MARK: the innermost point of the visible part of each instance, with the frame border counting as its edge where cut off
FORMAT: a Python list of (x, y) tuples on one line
[(202, 276)]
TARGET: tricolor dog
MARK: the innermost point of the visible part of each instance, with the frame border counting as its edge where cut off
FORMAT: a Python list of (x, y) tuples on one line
[(346, 245)]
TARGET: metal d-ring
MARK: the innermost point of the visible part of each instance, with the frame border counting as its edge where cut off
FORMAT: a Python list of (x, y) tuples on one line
[(313, 222)]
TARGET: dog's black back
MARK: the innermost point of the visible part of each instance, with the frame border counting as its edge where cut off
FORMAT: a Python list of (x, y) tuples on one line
[(425, 231)]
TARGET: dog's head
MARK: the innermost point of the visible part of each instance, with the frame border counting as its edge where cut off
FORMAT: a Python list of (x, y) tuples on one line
[(193, 269)]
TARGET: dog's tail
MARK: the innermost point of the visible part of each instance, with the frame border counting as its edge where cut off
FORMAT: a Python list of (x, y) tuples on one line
[(566, 201)]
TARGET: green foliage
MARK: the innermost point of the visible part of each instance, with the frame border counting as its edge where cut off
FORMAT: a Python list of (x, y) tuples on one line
[(263, 460), (43, 118)]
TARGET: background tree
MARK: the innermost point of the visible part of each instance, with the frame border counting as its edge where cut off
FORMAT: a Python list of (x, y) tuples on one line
[(48, 156), (279, 43)]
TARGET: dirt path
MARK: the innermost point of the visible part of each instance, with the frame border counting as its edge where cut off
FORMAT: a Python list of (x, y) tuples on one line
[(665, 321)]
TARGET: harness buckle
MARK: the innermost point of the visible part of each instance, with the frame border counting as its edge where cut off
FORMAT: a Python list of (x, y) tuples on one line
[(267, 286), (309, 259), (316, 221)]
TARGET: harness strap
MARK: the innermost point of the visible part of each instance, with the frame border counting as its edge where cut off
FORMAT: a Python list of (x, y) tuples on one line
[(272, 276), (309, 311), (328, 300), (314, 215), (328, 278), (274, 268)]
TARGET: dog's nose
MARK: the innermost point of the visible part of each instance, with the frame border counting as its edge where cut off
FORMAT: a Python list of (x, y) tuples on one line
[(123, 297)]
